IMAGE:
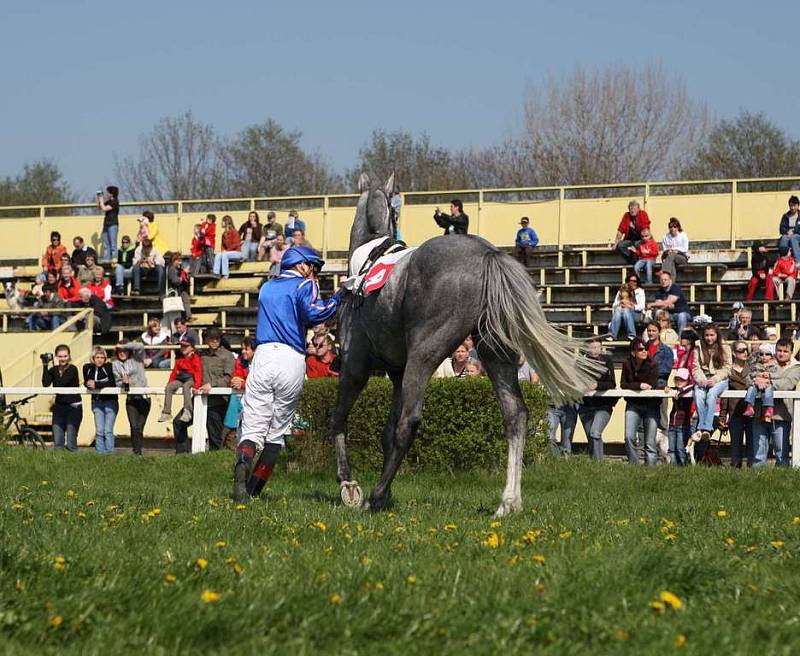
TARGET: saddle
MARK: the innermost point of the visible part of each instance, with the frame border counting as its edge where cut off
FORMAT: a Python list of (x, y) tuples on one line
[(372, 263)]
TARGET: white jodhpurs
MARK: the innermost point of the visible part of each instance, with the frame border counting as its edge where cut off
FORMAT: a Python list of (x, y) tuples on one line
[(273, 388)]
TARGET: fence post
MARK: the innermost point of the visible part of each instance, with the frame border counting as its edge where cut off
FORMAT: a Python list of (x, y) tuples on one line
[(480, 210), (560, 234), (178, 233), (733, 213), (199, 417), (324, 227)]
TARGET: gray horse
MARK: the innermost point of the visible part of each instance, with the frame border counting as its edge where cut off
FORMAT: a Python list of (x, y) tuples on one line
[(448, 288)]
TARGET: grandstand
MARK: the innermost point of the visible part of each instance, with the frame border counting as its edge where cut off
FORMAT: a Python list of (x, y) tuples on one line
[(573, 267)]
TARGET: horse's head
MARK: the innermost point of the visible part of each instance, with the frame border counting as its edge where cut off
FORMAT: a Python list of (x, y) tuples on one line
[(375, 216)]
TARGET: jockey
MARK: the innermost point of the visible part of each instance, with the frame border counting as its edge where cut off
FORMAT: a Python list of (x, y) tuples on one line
[(287, 306)]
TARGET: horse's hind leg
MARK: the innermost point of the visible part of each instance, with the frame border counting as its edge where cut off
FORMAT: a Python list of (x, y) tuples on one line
[(502, 371)]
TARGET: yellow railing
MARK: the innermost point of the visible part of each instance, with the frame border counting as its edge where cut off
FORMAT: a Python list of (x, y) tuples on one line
[(710, 210)]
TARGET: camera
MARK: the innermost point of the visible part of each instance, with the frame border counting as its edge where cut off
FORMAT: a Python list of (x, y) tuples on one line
[(99, 192), (46, 357)]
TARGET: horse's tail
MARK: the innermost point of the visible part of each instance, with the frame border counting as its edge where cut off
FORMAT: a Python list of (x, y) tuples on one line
[(513, 319)]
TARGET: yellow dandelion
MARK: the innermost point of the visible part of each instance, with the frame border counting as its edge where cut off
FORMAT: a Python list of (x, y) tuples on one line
[(671, 600), (513, 560), (70, 493), (59, 563), (327, 550), (320, 525), (17, 505), (492, 541), (20, 585), (240, 507), (450, 527), (670, 537), (366, 561), (411, 579), (209, 596), (55, 620), (378, 585), (730, 541), (565, 535), (657, 606), (89, 503), (155, 511), (667, 523), (170, 578), (212, 502), (495, 524), (680, 641), (81, 514), (442, 632), (530, 536), (722, 514), (44, 482), (776, 544), (796, 520), (335, 599), (538, 558), (201, 563), (220, 544)]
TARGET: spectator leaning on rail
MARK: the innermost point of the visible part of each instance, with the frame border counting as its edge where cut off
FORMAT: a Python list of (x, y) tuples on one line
[(109, 204), (129, 372), (712, 367), (640, 373), (218, 363), (629, 231), (761, 264), (525, 241), (680, 418), (67, 408), (287, 306), (595, 411), (98, 375), (731, 411), (187, 374), (670, 297), (675, 246), (790, 229), (455, 223), (785, 379)]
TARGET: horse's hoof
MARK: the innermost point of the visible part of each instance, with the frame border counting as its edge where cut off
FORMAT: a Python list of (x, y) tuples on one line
[(352, 496), (507, 507)]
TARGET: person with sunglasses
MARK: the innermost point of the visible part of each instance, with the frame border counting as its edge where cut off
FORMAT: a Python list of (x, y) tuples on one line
[(318, 364), (288, 305), (51, 260), (731, 411), (640, 373)]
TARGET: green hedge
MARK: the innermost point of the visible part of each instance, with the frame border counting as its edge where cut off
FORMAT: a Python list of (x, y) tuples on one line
[(461, 429)]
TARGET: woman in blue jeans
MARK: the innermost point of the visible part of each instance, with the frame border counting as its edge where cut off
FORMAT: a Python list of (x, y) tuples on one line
[(67, 408), (711, 370), (640, 373), (98, 375)]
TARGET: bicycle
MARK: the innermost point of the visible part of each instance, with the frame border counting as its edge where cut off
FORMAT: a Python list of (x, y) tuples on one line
[(26, 436)]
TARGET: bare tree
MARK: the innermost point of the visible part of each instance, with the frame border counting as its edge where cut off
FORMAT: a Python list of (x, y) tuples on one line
[(267, 160), (748, 146), (614, 125), (179, 158)]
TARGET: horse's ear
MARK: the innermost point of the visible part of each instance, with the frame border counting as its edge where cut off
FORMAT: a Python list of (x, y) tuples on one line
[(363, 183), (389, 186)]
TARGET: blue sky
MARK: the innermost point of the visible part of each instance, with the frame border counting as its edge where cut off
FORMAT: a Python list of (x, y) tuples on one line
[(83, 80)]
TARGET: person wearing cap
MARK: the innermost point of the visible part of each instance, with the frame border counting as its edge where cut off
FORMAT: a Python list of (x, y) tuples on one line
[(784, 273), (288, 305), (187, 374), (525, 241), (761, 263), (790, 229), (48, 300)]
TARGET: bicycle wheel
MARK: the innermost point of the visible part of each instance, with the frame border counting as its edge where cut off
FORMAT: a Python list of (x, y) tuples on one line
[(30, 437)]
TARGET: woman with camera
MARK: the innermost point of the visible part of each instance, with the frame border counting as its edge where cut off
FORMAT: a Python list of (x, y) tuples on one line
[(67, 408), (98, 375), (129, 372)]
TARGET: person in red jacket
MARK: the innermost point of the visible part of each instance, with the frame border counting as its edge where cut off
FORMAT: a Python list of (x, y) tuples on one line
[(101, 287), (785, 273), (318, 365), (629, 231), (187, 374), (51, 260), (198, 251), (231, 248), (68, 286), (647, 252)]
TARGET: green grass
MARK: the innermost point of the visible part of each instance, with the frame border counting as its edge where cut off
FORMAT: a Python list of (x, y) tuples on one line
[(576, 572)]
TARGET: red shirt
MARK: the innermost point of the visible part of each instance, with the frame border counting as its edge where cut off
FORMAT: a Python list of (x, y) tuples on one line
[(209, 232), (648, 249), (197, 247), (239, 370), (69, 294), (642, 222), (785, 267), (99, 290), (51, 260), (316, 368), (192, 364), (231, 241)]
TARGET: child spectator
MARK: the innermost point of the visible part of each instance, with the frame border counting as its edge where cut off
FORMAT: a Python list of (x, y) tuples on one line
[(51, 260), (680, 418), (231, 249), (766, 363), (784, 273), (144, 229), (526, 240), (101, 287), (187, 374), (124, 269), (208, 232), (153, 233), (86, 270), (647, 252), (761, 266), (178, 280), (198, 251)]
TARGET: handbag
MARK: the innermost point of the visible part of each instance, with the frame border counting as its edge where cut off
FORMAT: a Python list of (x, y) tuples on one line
[(232, 413), (172, 302)]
